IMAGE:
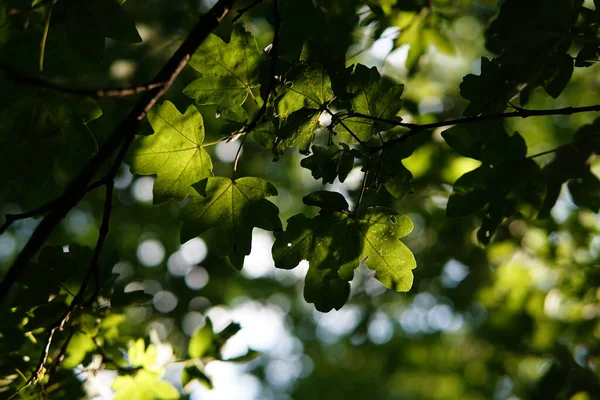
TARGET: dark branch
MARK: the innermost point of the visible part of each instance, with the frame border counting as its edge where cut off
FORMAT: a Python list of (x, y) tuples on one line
[(416, 128), (339, 121), (43, 209), (121, 138), (242, 11), (19, 78)]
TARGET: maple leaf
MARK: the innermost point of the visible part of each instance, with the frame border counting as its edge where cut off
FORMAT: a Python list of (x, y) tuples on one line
[(230, 73), (174, 152), (375, 96), (232, 209), (335, 242)]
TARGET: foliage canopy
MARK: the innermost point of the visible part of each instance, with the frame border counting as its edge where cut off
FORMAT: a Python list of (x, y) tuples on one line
[(342, 149)]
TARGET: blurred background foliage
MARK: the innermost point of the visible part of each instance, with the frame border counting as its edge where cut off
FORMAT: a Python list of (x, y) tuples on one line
[(518, 319)]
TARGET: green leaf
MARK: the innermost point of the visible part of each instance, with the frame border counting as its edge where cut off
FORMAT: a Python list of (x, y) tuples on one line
[(487, 92), (558, 77), (585, 191), (487, 142), (570, 162), (233, 209), (202, 343), (498, 192), (335, 242), (325, 289), (46, 277), (329, 162), (588, 55), (88, 26), (145, 385), (249, 356), (47, 314), (136, 297), (230, 73), (79, 346), (174, 152), (310, 87), (375, 96), (298, 130), (192, 372), (326, 200), (37, 128), (388, 170), (470, 193)]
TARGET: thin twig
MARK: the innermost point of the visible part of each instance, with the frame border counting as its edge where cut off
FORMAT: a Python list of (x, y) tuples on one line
[(93, 269), (274, 54), (19, 78), (43, 209), (242, 11), (61, 354), (543, 153), (416, 128), (363, 186), (362, 143), (121, 138), (45, 35)]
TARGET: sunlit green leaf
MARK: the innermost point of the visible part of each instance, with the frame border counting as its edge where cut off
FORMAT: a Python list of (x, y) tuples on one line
[(230, 73), (174, 152), (335, 242)]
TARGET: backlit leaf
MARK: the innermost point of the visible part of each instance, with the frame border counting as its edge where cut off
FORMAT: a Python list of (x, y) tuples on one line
[(233, 209), (174, 152), (335, 242), (375, 96), (230, 73)]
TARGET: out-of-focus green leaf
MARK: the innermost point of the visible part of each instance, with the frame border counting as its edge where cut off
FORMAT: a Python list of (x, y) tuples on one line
[(202, 342), (144, 385), (34, 130), (585, 191), (88, 27)]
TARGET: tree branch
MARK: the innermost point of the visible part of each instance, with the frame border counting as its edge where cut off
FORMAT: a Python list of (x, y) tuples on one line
[(416, 128), (19, 78), (242, 11), (43, 209), (121, 138)]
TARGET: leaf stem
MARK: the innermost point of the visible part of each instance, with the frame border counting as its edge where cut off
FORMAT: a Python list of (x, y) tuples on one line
[(543, 153), (363, 187), (237, 156), (362, 143), (45, 35)]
